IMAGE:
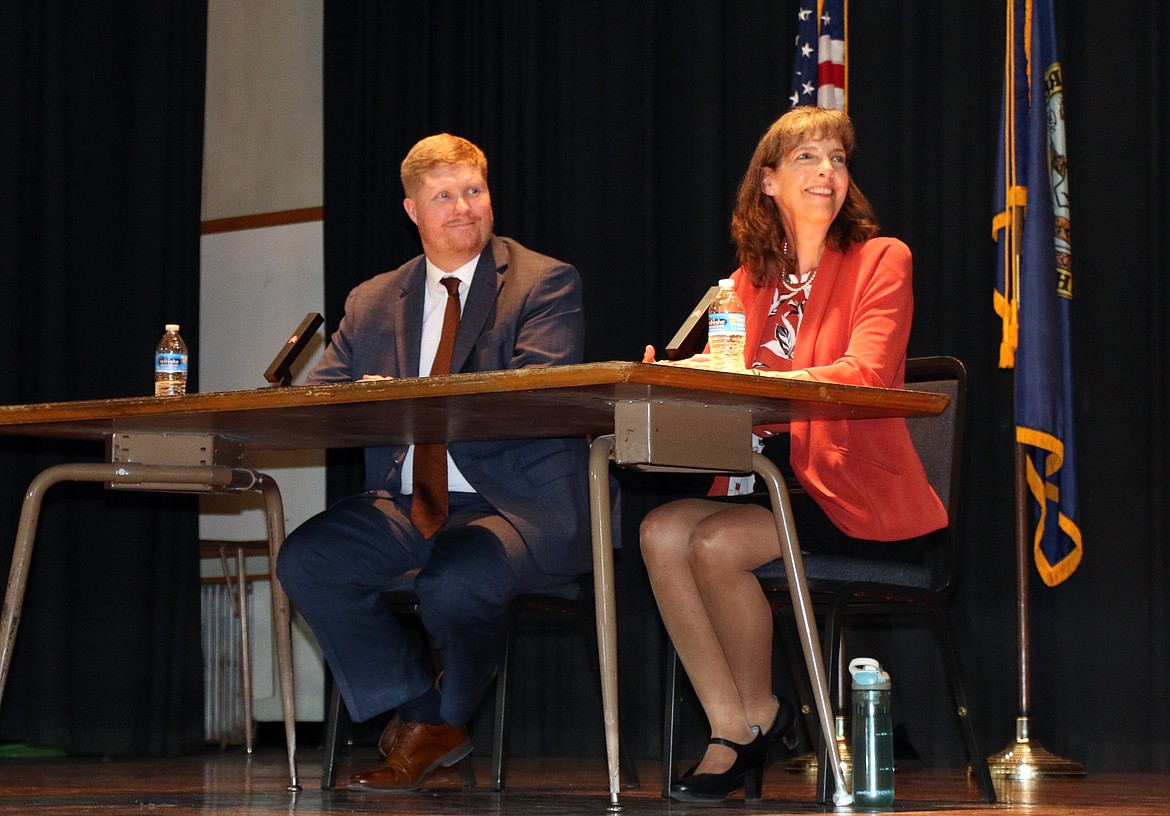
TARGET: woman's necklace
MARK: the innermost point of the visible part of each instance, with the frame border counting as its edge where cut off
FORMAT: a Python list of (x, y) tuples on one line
[(801, 283)]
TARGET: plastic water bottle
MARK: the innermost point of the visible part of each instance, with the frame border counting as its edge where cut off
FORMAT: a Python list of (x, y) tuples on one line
[(872, 748), (726, 328), (170, 364)]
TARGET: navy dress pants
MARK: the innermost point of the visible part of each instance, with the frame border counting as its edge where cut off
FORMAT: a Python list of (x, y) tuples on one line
[(335, 566)]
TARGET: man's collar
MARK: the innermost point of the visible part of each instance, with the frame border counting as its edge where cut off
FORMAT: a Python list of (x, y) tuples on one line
[(465, 273)]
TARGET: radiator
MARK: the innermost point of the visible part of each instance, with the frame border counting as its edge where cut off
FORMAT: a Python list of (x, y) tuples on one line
[(223, 697)]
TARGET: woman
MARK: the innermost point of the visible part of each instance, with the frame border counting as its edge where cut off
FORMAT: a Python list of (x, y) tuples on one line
[(825, 300)]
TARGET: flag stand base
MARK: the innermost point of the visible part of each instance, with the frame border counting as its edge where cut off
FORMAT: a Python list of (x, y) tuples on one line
[(1027, 759)]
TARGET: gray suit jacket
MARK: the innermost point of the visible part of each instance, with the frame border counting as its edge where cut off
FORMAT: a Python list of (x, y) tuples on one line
[(523, 309)]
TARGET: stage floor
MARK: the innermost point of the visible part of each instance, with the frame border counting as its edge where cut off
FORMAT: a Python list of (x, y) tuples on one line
[(230, 783)]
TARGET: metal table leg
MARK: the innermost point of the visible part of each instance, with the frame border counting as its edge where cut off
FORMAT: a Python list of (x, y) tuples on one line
[(281, 621), (162, 478), (237, 587), (600, 452), (806, 623)]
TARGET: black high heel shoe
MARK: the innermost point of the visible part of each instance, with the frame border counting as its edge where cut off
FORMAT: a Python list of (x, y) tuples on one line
[(746, 773), (783, 727)]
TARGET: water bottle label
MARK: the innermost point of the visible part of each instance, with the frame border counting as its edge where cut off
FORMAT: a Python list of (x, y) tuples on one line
[(726, 323), (170, 363)]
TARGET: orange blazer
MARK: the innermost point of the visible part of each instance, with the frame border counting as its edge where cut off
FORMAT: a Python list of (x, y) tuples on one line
[(865, 474)]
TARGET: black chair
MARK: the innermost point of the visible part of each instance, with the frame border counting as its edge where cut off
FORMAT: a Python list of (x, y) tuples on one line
[(843, 586), (570, 602)]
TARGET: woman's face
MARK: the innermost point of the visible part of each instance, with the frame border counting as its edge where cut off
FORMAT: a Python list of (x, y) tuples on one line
[(809, 184)]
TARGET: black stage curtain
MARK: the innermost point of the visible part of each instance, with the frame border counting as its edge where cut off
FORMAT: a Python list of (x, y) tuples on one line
[(100, 173), (617, 133)]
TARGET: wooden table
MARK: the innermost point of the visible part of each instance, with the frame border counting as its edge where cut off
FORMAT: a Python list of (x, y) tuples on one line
[(642, 416)]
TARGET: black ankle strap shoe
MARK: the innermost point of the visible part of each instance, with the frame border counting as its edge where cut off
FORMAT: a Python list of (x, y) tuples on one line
[(746, 774)]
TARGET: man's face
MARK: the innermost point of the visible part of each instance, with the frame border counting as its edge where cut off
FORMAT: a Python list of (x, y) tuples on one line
[(453, 211)]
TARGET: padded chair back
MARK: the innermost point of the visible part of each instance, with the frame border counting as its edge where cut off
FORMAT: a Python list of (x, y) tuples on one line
[(939, 441)]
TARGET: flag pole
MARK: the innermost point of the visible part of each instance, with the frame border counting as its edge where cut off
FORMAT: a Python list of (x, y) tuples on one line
[(1026, 759)]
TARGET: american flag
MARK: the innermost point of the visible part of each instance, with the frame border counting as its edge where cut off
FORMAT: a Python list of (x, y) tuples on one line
[(818, 68)]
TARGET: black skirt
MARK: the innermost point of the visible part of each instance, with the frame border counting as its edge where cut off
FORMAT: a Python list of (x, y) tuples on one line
[(817, 532)]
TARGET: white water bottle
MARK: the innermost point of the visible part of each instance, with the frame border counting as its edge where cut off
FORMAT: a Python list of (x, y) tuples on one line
[(726, 328), (170, 364), (872, 746)]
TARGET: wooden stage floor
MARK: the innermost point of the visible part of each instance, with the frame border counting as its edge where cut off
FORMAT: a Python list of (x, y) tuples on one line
[(230, 783)]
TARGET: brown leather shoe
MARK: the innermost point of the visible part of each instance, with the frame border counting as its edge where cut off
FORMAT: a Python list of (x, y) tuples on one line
[(413, 751), (389, 735)]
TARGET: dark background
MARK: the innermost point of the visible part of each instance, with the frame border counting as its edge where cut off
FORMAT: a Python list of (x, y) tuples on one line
[(617, 133)]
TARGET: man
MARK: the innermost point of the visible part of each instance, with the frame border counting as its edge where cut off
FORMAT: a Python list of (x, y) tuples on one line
[(507, 517)]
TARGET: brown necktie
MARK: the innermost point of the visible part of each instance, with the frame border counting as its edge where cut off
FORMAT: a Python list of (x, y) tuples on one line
[(428, 508)]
